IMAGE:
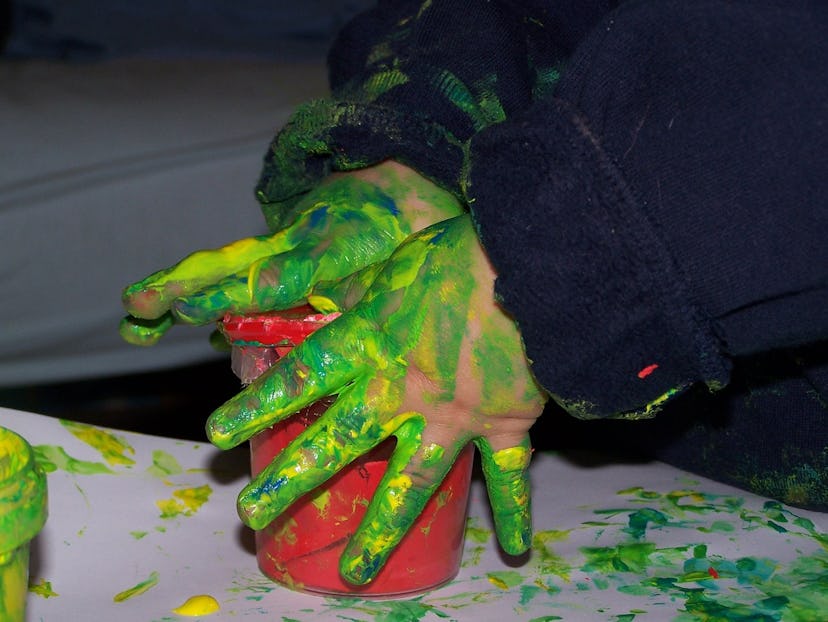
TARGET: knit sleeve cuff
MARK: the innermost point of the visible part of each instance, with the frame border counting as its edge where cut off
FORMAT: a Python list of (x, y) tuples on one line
[(602, 308), (326, 135)]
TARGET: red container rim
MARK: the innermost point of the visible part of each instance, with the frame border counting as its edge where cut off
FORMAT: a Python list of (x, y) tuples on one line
[(274, 328)]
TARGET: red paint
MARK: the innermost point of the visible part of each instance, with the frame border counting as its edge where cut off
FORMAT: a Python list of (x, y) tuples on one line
[(647, 370), (301, 548), (712, 572)]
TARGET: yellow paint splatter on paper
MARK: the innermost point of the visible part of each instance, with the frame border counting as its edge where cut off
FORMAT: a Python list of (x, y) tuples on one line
[(200, 605), (186, 501), (114, 449)]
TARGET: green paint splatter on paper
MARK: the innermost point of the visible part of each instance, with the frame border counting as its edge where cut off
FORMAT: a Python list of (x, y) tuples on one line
[(164, 464), (115, 450), (52, 458), (138, 589), (184, 502), (42, 588)]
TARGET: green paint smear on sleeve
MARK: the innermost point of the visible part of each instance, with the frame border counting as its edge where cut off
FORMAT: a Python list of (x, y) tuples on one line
[(52, 458), (164, 464), (139, 589), (113, 448)]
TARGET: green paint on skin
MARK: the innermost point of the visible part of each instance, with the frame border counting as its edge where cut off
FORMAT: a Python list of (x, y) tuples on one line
[(115, 450), (507, 482), (142, 332), (414, 314), (347, 223), (52, 458), (141, 588), (184, 502)]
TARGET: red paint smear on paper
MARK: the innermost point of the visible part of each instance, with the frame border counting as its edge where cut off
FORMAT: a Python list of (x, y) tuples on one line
[(647, 370), (712, 572)]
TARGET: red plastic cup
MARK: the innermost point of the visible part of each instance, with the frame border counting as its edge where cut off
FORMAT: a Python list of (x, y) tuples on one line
[(301, 548)]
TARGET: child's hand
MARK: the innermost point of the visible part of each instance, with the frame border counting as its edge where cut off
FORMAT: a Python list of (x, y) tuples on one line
[(350, 221), (425, 355)]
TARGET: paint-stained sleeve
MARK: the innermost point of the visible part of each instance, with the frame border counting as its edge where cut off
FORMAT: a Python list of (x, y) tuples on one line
[(414, 81), (662, 212)]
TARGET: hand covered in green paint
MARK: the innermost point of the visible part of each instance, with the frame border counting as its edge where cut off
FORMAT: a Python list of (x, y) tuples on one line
[(425, 355), (350, 221)]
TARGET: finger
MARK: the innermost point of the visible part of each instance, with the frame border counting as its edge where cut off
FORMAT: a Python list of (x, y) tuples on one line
[(343, 294), (338, 244), (413, 474), (270, 284), (152, 296), (144, 332), (320, 366), (347, 430), (507, 481)]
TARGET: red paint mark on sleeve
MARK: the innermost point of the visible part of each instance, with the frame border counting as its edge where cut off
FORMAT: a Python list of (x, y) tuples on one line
[(712, 572), (647, 370)]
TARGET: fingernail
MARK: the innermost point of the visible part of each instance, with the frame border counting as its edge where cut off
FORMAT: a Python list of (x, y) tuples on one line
[(361, 570), (142, 303)]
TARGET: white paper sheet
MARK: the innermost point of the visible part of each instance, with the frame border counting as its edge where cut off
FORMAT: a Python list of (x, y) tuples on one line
[(613, 542)]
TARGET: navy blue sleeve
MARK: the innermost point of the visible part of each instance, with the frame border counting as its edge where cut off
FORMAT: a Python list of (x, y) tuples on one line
[(664, 209), (415, 81)]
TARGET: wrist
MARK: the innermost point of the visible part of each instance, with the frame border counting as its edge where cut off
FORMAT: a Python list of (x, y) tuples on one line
[(419, 201)]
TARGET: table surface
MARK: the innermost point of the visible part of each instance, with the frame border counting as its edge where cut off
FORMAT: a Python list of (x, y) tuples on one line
[(138, 524)]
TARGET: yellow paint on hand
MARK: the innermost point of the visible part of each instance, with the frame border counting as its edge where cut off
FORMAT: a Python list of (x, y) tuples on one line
[(323, 304), (199, 605)]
